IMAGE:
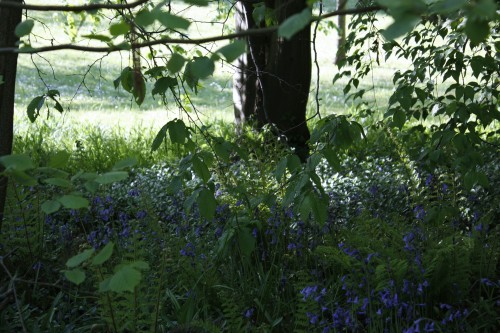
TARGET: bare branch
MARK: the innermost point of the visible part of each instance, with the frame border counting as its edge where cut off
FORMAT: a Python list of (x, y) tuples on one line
[(165, 41), (89, 7)]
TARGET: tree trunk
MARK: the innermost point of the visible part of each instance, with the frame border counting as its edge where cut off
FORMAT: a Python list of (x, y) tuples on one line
[(9, 19), (247, 95), (280, 72), (341, 22), (286, 80)]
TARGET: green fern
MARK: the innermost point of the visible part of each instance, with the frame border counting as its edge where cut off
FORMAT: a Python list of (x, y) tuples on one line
[(232, 312)]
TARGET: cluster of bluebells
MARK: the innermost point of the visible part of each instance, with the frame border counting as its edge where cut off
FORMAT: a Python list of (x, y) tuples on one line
[(359, 305)]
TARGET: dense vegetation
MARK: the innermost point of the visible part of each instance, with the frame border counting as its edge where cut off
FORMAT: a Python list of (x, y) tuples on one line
[(391, 225)]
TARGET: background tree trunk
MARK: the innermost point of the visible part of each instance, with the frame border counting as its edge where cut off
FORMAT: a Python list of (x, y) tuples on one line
[(247, 95), (273, 79), (9, 18), (341, 25)]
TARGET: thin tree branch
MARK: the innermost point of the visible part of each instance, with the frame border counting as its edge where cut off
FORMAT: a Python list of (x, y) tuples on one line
[(89, 7), (163, 41)]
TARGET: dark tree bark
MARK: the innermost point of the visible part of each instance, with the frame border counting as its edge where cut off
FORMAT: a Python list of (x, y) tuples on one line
[(247, 95), (280, 72), (341, 22), (9, 18)]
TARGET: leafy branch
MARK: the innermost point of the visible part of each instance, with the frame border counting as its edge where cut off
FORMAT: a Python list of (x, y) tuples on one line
[(89, 7), (165, 41)]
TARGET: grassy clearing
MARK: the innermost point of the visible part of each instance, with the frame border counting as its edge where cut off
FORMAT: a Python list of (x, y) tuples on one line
[(86, 80)]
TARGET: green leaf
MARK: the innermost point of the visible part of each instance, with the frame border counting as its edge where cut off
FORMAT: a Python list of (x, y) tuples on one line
[(477, 31), (319, 209), (295, 23), (401, 25), (125, 279), (76, 276), (159, 138), (293, 163), (34, 107), (111, 177), (171, 21), (332, 159), (202, 67), (232, 51), (139, 264), (399, 118), (477, 64), (200, 3), (125, 163), (50, 206), (200, 169), (246, 241), (58, 106), (473, 178), (118, 29), (60, 182), (79, 258), (484, 10), (144, 18), (279, 172), (178, 131), (73, 201), (103, 255), (163, 84), (127, 79), (175, 185), (448, 6), (22, 178), (175, 63), (19, 162), (313, 204), (104, 285), (102, 38), (24, 28), (207, 204), (223, 150)]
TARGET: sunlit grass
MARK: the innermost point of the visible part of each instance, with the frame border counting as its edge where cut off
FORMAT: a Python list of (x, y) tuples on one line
[(85, 80)]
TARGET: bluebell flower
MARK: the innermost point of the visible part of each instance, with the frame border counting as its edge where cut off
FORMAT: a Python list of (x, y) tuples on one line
[(37, 266), (218, 232), (133, 192), (428, 180), (249, 313), (373, 190), (475, 216), (408, 239), (313, 318), (429, 327), (141, 214), (188, 250), (488, 282), (369, 257), (419, 212), (308, 292), (444, 306)]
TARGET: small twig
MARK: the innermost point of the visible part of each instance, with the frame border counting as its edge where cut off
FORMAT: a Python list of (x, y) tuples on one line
[(316, 60)]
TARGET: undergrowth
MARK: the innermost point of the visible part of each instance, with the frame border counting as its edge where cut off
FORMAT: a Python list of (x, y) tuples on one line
[(405, 247)]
